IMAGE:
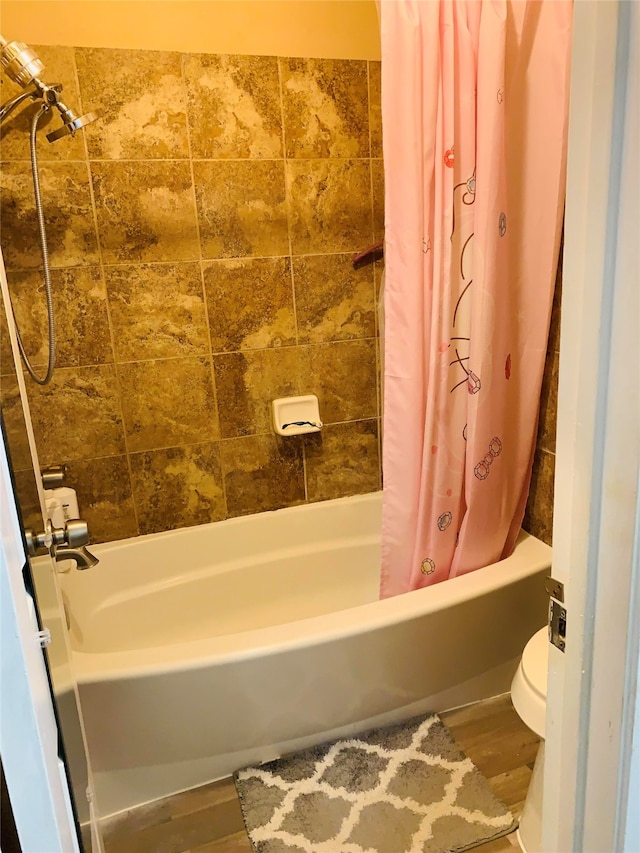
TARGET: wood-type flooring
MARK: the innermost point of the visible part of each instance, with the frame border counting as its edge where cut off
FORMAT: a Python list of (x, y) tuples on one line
[(209, 820)]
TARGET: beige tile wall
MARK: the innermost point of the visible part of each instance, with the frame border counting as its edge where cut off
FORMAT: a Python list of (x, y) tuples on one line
[(201, 236)]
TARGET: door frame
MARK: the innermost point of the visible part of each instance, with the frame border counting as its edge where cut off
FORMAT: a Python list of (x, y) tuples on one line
[(592, 687), (35, 775)]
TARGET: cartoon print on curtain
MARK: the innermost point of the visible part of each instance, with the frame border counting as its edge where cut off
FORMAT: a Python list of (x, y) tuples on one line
[(474, 101)]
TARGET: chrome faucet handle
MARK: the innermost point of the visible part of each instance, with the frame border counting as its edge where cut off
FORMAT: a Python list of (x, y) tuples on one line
[(76, 533), (36, 542), (53, 476), (63, 543)]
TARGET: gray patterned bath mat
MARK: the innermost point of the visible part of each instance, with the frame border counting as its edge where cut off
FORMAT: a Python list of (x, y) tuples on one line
[(405, 788)]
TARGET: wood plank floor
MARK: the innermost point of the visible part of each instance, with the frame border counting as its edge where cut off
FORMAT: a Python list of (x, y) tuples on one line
[(209, 820)]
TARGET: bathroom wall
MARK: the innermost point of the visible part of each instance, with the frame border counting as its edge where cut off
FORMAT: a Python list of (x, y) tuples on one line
[(335, 29), (538, 517), (201, 237)]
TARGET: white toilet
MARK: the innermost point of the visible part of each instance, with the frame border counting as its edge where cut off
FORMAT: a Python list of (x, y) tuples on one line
[(529, 697)]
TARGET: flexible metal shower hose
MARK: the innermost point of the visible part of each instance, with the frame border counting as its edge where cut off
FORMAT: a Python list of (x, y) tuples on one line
[(41, 380)]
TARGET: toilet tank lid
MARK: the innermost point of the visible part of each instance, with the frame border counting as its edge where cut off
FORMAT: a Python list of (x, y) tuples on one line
[(535, 661)]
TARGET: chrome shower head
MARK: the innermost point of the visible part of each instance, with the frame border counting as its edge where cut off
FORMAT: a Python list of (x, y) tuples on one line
[(22, 64), (71, 122)]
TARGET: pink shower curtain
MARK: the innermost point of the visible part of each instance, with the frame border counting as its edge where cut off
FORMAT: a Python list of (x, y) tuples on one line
[(474, 103)]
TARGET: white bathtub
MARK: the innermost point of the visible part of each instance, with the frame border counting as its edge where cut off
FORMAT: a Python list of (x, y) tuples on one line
[(199, 651)]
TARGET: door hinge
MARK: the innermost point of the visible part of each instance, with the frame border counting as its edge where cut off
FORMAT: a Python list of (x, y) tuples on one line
[(557, 613), (44, 637), (554, 588), (557, 624)]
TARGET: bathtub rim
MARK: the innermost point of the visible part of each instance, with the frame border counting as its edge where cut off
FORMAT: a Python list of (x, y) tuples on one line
[(529, 557)]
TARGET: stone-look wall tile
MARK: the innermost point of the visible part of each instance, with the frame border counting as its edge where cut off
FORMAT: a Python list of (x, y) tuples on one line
[(241, 208), (549, 404), (66, 201), (77, 416), (234, 106), (250, 303), (163, 386), (14, 145), (157, 310), (377, 183), (247, 383), (342, 460), (378, 269), (14, 423), (343, 376), (334, 302), (178, 487), (27, 495), (330, 205), (554, 330), (379, 375), (140, 97), (262, 472), (375, 107), (104, 497), (167, 403), (7, 364), (80, 307), (538, 517), (145, 211), (325, 107)]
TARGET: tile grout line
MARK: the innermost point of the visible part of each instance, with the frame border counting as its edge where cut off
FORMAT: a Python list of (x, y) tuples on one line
[(221, 440), (369, 106), (180, 261), (219, 160), (202, 281), (375, 291), (200, 355), (303, 452), (85, 144), (117, 385), (114, 161)]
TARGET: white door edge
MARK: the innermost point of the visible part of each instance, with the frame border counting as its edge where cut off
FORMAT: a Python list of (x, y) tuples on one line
[(627, 822), (38, 792), (627, 829), (597, 443)]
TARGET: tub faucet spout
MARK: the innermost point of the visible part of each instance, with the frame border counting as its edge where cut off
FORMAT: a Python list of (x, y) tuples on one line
[(83, 557)]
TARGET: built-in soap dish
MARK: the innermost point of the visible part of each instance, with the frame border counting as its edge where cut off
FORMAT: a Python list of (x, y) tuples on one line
[(296, 415)]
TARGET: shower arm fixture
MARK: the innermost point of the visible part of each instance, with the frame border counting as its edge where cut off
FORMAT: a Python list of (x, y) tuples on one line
[(22, 65), (9, 106)]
